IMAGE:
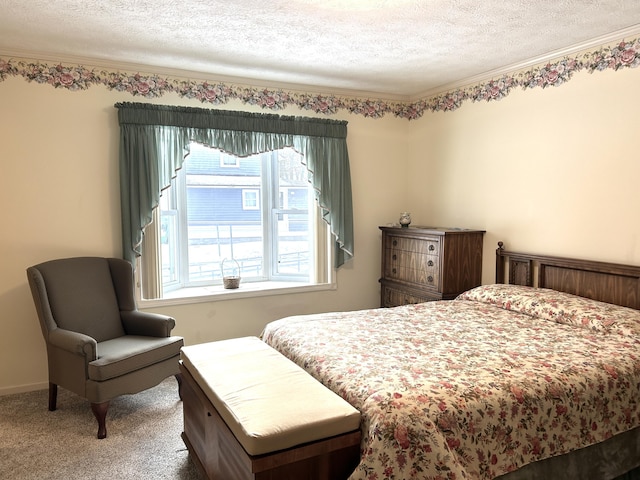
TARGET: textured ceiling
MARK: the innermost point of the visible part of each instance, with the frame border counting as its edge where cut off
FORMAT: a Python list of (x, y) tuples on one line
[(389, 47)]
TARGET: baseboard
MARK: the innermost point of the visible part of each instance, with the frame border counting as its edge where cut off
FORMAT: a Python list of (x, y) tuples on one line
[(23, 388)]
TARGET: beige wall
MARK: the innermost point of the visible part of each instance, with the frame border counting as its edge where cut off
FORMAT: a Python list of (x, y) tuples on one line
[(552, 171), (59, 190)]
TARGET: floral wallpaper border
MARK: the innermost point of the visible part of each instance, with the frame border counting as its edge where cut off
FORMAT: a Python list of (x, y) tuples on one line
[(625, 54)]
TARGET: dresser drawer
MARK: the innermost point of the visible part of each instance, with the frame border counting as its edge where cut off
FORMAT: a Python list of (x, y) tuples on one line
[(423, 246), (392, 297), (416, 268)]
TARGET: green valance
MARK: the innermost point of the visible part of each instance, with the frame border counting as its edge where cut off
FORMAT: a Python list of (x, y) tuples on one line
[(154, 140)]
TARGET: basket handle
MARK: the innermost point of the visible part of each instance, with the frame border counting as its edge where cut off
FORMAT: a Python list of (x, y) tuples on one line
[(236, 268)]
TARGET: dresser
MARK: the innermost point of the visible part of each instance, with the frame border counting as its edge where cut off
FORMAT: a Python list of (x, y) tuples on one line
[(420, 264)]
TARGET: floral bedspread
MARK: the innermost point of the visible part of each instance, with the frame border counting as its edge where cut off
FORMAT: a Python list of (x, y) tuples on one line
[(475, 387)]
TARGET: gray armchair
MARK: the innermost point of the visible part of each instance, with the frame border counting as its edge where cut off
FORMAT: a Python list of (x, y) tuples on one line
[(99, 345)]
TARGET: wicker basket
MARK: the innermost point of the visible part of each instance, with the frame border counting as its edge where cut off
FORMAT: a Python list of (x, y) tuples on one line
[(230, 273), (231, 282)]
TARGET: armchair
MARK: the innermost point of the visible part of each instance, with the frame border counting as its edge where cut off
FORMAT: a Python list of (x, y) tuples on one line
[(99, 345)]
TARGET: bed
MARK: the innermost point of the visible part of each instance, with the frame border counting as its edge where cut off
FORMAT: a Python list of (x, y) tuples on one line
[(534, 377)]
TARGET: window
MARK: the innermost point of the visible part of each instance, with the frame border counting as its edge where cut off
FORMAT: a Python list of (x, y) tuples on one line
[(261, 215), (227, 161), (250, 199), (153, 142)]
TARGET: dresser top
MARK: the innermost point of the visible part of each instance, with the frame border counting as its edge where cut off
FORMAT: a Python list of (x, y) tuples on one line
[(430, 230)]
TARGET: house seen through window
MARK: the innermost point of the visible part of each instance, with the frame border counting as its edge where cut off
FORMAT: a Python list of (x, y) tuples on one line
[(257, 213)]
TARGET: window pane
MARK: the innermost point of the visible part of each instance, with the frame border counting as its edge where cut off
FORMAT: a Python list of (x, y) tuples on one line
[(293, 242), (168, 241), (169, 244), (293, 245), (218, 224)]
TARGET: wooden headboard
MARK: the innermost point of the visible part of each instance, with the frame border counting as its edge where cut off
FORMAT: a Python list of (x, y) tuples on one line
[(607, 282)]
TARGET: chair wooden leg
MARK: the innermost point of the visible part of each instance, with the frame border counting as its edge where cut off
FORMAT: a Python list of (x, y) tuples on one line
[(53, 396), (100, 412), (179, 379)]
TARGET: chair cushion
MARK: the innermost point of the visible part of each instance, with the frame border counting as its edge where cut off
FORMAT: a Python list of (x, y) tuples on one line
[(82, 297), (126, 354)]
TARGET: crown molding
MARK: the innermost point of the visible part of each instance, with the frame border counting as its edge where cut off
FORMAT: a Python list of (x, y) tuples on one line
[(106, 64), (102, 63), (613, 51), (608, 39)]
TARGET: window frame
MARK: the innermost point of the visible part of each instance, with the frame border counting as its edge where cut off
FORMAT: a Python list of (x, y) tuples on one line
[(245, 206), (321, 275)]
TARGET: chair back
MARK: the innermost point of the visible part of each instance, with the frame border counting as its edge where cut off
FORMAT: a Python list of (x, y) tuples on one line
[(77, 294)]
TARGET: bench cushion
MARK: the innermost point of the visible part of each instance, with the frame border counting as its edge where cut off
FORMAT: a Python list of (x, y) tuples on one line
[(266, 400)]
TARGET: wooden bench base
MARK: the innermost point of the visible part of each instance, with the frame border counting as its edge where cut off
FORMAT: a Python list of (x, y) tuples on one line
[(220, 456)]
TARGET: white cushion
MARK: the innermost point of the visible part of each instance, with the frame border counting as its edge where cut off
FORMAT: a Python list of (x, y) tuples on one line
[(266, 400)]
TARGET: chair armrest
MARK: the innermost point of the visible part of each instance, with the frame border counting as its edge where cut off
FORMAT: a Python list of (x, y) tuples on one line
[(146, 323), (74, 342)]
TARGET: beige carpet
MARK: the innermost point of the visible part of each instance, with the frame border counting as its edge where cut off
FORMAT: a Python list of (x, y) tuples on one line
[(143, 438)]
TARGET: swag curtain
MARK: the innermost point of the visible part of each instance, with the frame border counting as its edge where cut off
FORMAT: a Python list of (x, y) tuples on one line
[(154, 140)]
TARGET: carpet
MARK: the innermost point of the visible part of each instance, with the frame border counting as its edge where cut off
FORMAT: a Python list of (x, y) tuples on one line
[(143, 437)]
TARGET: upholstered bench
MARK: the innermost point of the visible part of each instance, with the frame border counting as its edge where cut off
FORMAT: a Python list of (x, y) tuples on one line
[(251, 413)]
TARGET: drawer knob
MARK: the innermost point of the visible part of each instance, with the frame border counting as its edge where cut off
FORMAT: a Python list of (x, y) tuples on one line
[(395, 257), (395, 242), (430, 263), (430, 279), (432, 248), (394, 270)]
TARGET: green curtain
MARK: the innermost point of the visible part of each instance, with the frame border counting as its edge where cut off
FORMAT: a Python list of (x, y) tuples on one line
[(154, 140)]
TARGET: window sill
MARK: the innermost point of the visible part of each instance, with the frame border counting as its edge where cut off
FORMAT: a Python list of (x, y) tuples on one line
[(186, 296)]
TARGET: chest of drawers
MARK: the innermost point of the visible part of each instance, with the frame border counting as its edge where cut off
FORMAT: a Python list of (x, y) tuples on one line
[(420, 264)]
